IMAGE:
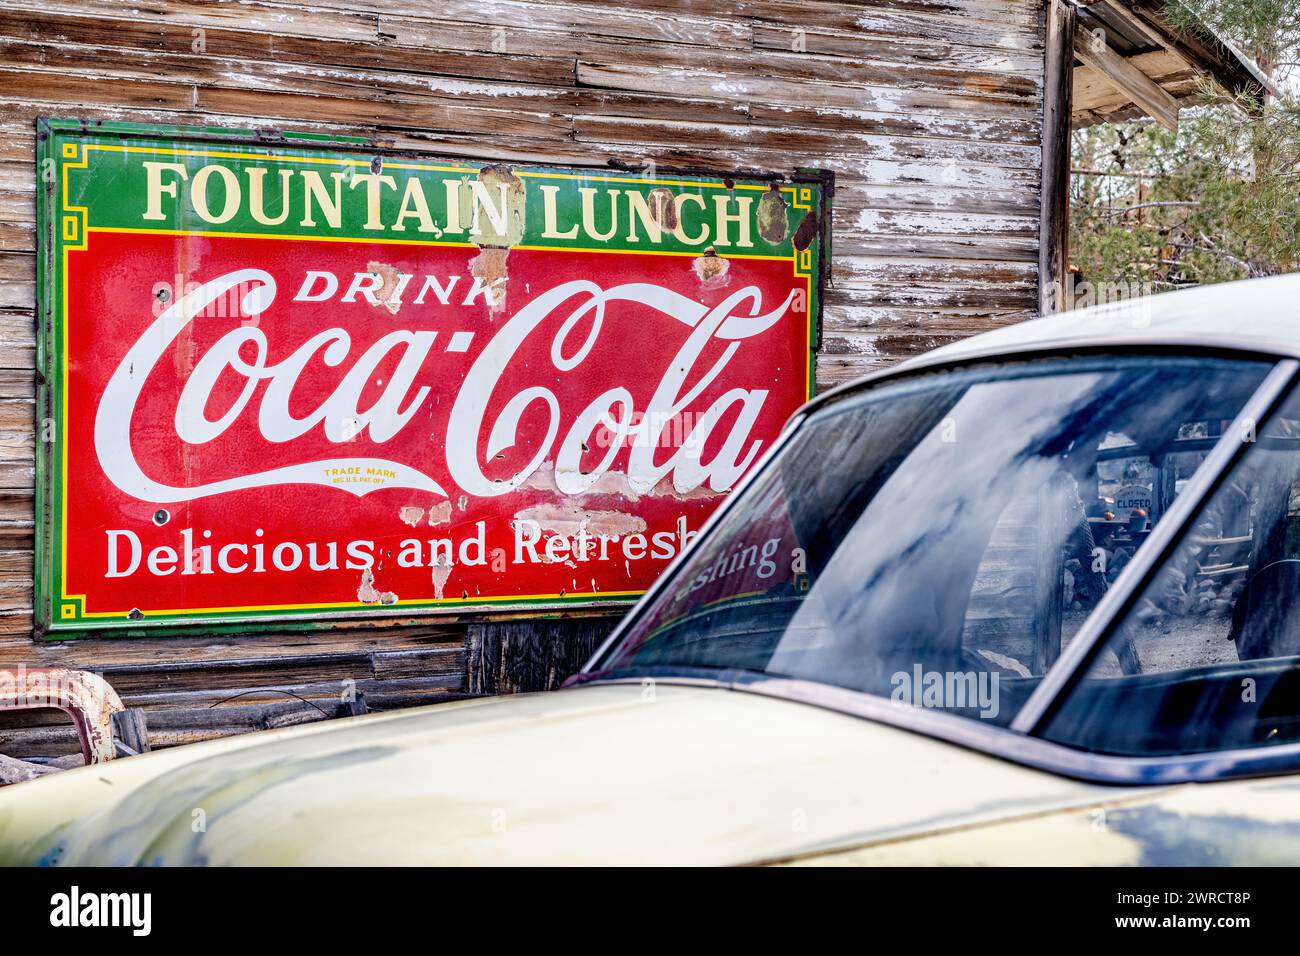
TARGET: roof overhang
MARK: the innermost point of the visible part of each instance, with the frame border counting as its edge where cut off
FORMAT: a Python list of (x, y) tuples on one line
[(1130, 62)]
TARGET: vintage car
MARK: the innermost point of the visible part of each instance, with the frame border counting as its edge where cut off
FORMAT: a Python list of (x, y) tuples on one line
[(1024, 600)]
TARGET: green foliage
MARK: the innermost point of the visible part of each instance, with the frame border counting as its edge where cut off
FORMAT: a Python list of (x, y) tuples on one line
[(1220, 199), (1267, 30)]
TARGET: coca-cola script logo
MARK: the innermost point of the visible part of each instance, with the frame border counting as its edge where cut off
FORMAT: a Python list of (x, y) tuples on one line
[(580, 306), (280, 426)]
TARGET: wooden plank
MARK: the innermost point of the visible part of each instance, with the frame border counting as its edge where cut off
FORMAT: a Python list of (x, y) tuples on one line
[(429, 115), (940, 296), (1001, 23), (18, 445), (34, 86), (17, 236), (715, 30), (792, 66), (873, 319), (547, 37), (801, 142), (17, 476), (1054, 202), (944, 247), (340, 19), (132, 730), (879, 222), (956, 49), (65, 32), (1004, 201), (1018, 127), (259, 17), (16, 385), (529, 656), (173, 724), (379, 693), (748, 86), (1127, 78), (17, 413), (1120, 12)]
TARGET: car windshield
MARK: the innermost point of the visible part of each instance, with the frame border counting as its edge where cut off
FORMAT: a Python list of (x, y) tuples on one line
[(938, 540)]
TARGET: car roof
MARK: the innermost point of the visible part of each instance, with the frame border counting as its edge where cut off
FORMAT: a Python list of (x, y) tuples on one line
[(1254, 314)]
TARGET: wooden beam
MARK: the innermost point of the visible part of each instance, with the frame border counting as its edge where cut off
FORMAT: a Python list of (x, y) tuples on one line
[(1092, 89), (1054, 211), (1093, 50), (1140, 26)]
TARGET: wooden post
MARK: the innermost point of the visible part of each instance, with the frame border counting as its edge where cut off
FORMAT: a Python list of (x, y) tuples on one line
[(512, 657), (1054, 215), (130, 729)]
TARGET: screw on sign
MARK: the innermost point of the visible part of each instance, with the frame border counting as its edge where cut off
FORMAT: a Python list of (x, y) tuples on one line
[(281, 389)]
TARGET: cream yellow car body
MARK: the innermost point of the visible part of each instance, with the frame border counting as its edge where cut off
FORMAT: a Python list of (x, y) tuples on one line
[(619, 774)]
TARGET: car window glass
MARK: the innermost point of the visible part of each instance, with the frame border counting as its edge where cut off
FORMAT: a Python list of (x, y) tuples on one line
[(1208, 657), (937, 542)]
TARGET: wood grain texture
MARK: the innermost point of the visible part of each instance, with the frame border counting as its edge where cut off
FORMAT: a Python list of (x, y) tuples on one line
[(521, 656), (1054, 217), (929, 112)]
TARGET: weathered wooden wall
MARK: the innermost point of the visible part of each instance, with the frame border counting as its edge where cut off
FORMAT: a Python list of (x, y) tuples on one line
[(928, 111)]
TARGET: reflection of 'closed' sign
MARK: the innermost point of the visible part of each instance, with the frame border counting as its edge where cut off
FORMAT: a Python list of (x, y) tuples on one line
[(1130, 497)]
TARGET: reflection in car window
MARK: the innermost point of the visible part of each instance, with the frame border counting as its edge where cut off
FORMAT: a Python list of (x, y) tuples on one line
[(1209, 656), (938, 541)]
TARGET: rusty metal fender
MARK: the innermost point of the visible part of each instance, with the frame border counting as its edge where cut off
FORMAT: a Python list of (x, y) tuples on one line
[(85, 697)]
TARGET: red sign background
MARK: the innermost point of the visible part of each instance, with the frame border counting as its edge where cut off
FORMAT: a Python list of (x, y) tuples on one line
[(112, 301)]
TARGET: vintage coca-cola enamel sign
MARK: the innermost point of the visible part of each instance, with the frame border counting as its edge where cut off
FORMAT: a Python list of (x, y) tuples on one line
[(296, 378)]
